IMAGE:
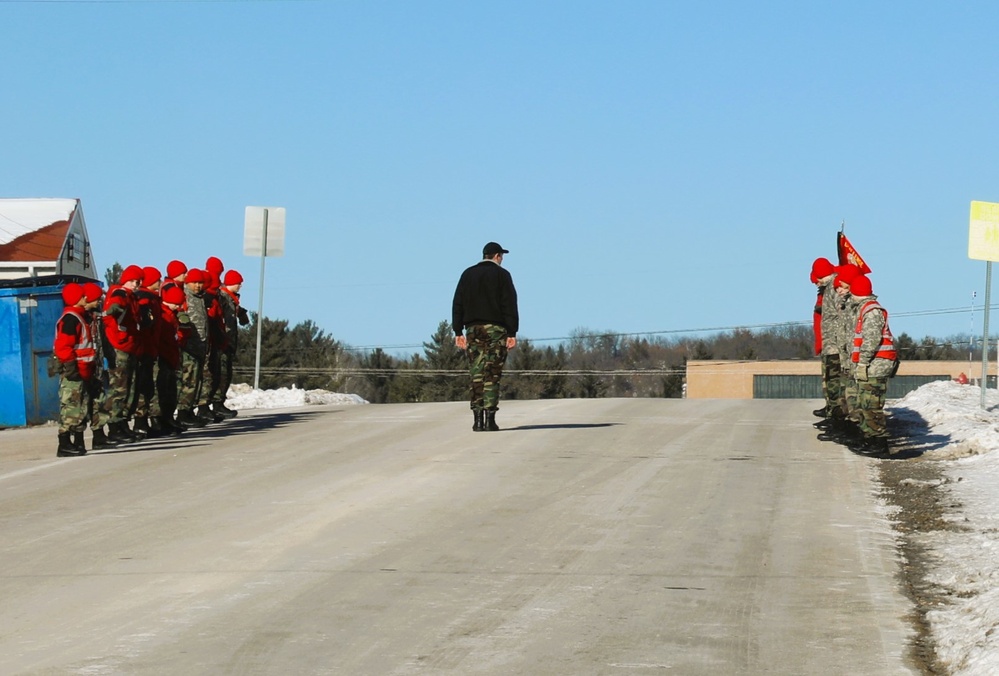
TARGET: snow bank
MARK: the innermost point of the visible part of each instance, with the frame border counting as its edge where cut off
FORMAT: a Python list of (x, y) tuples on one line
[(242, 397)]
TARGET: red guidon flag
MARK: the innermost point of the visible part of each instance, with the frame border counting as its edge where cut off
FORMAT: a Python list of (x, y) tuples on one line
[(847, 254)]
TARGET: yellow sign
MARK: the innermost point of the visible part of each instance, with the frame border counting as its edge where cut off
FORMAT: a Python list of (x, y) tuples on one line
[(983, 236)]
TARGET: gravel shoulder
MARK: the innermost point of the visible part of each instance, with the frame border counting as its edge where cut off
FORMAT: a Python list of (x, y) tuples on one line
[(913, 485)]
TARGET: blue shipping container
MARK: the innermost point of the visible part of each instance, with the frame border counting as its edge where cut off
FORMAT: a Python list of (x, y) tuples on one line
[(28, 316)]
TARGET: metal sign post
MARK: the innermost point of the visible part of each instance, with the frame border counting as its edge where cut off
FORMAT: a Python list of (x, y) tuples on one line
[(263, 235), (983, 244)]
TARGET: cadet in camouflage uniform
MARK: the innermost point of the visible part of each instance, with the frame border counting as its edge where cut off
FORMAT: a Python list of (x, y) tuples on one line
[(233, 316), (875, 360), (839, 427), (121, 327), (194, 350), (485, 309), (145, 403), (168, 365), (96, 408), (74, 348), (827, 311)]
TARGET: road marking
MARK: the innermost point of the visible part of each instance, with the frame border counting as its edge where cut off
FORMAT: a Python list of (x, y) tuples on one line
[(29, 470)]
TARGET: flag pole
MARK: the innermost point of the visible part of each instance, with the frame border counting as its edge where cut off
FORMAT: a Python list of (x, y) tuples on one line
[(985, 332)]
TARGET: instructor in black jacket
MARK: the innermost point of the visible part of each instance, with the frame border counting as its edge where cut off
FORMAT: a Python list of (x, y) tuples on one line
[(485, 321)]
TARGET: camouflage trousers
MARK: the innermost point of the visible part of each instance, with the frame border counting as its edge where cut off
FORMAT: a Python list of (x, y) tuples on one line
[(225, 377), (97, 405), (74, 400), (120, 378), (833, 386), (189, 384), (486, 356), (210, 374), (869, 411)]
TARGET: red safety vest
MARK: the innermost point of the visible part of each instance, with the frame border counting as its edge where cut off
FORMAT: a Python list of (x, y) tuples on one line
[(79, 347), (886, 350)]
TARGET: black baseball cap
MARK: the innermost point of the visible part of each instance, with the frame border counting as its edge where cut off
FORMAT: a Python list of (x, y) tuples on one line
[(492, 249)]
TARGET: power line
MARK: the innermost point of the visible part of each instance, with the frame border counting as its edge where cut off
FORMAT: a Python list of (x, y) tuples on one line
[(670, 332)]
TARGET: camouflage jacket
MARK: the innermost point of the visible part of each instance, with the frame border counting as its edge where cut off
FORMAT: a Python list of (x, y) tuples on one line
[(833, 308), (871, 329), (197, 340), (847, 327)]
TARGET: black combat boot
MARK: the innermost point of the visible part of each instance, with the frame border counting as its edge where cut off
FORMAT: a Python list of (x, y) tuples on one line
[(187, 419), (478, 425), (66, 447), (821, 412), (490, 422), (117, 435), (219, 408), (101, 440), (155, 428), (171, 428), (873, 446), (79, 444), (140, 428), (205, 414)]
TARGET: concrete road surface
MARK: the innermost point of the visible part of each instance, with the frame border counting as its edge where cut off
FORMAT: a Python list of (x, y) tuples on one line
[(588, 537)]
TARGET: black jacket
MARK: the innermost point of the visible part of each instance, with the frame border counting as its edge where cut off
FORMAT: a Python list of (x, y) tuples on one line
[(485, 295)]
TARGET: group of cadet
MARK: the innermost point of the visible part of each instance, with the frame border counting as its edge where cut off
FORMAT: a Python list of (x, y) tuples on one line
[(858, 357), (150, 357)]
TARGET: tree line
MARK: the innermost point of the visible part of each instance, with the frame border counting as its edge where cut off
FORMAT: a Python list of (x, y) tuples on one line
[(588, 364)]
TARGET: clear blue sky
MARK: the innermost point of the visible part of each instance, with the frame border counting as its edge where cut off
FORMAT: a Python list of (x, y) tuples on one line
[(652, 166)]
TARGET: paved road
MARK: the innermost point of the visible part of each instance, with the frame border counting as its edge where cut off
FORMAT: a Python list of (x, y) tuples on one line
[(589, 537)]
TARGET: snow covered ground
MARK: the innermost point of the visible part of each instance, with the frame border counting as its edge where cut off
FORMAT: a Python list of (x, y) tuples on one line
[(241, 397), (944, 419), (947, 421)]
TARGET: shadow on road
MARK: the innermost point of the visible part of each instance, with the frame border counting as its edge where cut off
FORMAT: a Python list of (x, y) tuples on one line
[(204, 436), (910, 437), (562, 426)]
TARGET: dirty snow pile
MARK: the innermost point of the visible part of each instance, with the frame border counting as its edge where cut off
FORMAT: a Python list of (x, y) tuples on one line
[(242, 397), (946, 422)]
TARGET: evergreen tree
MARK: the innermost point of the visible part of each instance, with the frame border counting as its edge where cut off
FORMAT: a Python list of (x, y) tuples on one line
[(113, 274), (443, 355), (378, 381)]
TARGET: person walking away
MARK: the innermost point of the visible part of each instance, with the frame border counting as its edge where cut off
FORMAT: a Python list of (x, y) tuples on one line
[(875, 360), (485, 320), (74, 348)]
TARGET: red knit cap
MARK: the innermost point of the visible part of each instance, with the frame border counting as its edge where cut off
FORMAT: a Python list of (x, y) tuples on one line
[(846, 274), (214, 266), (174, 295), (150, 276), (72, 293), (175, 269), (861, 286), (195, 276), (232, 278), (92, 291), (133, 273), (821, 268)]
